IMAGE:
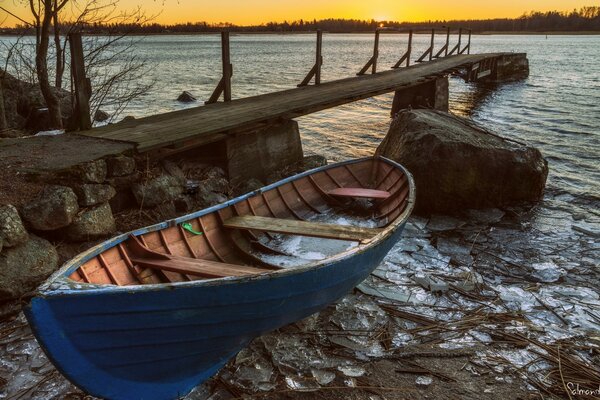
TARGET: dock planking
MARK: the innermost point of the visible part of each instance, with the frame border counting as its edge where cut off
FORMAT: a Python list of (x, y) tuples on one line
[(212, 122)]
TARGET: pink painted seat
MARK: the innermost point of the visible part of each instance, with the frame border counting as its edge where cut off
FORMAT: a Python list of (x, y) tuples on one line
[(359, 192)]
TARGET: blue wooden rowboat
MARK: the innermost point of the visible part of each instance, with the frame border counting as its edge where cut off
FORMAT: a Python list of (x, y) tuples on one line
[(153, 313)]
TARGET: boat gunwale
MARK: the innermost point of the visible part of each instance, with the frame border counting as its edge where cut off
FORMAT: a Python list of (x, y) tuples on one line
[(60, 284)]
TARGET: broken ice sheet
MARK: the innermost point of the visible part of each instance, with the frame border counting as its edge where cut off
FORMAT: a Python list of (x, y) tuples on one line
[(444, 223), (323, 377), (358, 313), (301, 384), (351, 371), (486, 216), (547, 272), (424, 381)]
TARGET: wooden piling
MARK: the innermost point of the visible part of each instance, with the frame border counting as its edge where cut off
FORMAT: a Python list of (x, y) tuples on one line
[(81, 85), (3, 124), (224, 85), (316, 69)]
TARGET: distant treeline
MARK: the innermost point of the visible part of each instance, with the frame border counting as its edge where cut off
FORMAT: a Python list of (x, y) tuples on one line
[(584, 19)]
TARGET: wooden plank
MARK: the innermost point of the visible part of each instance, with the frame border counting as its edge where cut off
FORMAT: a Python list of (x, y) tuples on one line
[(197, 267), (360, 192), (302, 228)]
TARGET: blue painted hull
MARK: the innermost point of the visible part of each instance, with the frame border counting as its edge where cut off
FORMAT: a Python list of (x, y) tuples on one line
[(160, 341)]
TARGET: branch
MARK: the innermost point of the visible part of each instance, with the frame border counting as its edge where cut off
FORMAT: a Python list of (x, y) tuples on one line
[(16, 16)]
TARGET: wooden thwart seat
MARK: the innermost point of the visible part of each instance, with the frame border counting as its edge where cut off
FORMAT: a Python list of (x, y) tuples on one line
[(144, 257), (302, 228), (359, 192)]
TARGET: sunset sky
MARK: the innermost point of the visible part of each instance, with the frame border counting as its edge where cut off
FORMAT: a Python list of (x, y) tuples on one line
[(260, 11)]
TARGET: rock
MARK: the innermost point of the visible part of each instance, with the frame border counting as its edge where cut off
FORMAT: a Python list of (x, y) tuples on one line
[(172, 169), (183, 204), (248, 186), (186, 97), (205, 198), (122, 183), (91, 194), (128, 118), (24, 104), (92, 224), (159, 190), (12, 231), (120, 166), (91, 172), (215, 172), (101, 116), (314, 161), (54, 207), (216, 185), (24, 267), (458, 165)]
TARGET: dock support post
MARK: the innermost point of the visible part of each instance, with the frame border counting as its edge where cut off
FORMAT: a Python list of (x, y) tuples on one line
[(224, 85), (316, 69), (429, 51), (82, 86), (430, 94), (373, 61), (261, 153), (445, 48), (406, 56)]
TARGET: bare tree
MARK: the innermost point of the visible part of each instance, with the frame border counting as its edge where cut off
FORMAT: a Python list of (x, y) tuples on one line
[(114, 86)]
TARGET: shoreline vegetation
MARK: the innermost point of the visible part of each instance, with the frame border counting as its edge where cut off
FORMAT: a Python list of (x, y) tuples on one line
[(586, 20)]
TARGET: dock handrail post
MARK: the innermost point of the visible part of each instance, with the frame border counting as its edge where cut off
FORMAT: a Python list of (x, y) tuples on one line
[(227, 67), (459, 39), (319, 57), (82, 85), (406, 56), (444, 49), (429, 51), (224, 85), (432, 43), (408, 52), (316, 69), (372, 63), (468, 46)]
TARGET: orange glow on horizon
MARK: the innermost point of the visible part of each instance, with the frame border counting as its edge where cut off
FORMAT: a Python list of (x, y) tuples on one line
[(247, 12)]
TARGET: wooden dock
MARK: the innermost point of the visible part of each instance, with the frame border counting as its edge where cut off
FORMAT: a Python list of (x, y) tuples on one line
[(214, 122)]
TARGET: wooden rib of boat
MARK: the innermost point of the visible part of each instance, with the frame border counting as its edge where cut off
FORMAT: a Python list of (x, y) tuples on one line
[(153, 313)]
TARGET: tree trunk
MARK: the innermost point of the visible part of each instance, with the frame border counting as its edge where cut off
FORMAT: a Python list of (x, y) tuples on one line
[(41, 64), (3, 124), (60, 63)]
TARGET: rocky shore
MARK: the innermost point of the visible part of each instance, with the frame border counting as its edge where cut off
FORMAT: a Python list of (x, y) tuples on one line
[(477, 301)]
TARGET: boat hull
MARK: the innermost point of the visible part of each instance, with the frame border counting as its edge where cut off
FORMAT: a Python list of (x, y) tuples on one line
[(161, 343)]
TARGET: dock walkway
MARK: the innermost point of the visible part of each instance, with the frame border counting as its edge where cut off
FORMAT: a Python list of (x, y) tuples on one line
[(213, 122)]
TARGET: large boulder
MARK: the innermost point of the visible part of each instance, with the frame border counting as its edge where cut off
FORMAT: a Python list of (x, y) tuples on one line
[(92, 224), (458, 165), (162, 189), (24, 267), (12, 231), (54, 207)]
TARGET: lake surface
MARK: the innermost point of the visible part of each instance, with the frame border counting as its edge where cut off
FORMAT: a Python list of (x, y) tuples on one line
[(556, 109)]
